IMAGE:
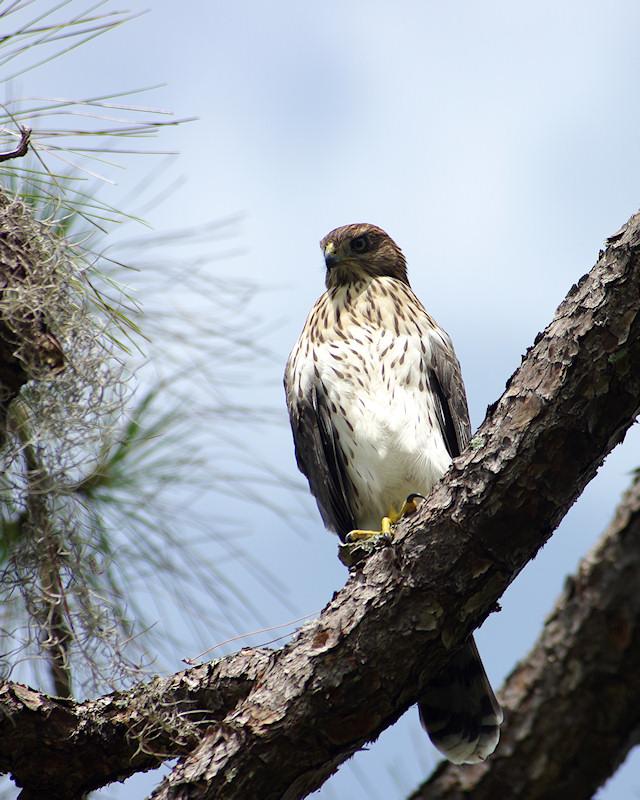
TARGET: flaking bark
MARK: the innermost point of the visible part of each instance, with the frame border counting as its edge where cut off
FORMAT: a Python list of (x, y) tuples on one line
[(352, 673), (58, 748), (571, 706)]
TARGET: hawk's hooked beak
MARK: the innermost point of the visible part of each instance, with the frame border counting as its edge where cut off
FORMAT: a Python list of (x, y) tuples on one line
[(330, 257)]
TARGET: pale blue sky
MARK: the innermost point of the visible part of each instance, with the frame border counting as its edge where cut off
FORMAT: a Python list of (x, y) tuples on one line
[(498, 144)]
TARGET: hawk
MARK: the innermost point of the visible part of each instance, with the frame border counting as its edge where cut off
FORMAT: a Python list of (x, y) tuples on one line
[(378, 410)]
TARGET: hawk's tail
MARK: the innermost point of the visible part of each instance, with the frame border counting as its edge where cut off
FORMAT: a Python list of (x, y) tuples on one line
[(459, 710)]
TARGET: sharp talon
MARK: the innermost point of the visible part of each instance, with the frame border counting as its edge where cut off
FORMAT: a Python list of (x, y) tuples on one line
[(360, 536), (411, 504), (409, 507), (414, 495)]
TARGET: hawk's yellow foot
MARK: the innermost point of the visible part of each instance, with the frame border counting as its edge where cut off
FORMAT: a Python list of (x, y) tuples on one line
[(360, 536), (409, 507)]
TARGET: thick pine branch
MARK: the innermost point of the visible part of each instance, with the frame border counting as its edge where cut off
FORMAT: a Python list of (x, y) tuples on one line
[(571, 706), (350, 674)]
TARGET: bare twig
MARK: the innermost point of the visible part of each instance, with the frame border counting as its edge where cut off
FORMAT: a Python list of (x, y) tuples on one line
[(21, 149)]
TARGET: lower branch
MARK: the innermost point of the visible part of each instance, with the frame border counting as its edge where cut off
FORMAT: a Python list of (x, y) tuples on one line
[(571, 706), (59, 749)]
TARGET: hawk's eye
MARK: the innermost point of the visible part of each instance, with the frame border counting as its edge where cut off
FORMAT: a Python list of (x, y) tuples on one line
[(360, 244)]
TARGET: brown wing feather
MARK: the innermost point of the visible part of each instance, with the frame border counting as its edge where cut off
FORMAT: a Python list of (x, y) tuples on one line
[(444, 379), (320, 458)]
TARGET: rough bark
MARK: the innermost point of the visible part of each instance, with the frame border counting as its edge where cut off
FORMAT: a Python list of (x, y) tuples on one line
[(348, 676), (353, 672), (58, 749), (571, 706)]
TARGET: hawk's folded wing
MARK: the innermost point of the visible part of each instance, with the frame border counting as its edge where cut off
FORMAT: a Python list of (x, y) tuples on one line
[(444, 379), (320, 457)]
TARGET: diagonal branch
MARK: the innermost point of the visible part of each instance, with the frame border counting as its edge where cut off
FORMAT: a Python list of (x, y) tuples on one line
[(344, 679), (571, 705), (353, 672)]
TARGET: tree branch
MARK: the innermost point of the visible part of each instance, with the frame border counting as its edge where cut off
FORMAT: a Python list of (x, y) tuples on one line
[(352, 673), (59, 749), (574, 699), (347, 677)]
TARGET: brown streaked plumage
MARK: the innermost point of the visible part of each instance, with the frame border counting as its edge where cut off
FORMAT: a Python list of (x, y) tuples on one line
[(378, 410)]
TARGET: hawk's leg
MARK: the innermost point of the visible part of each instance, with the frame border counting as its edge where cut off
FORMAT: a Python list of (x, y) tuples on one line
[(359, 545), (409, 507), (385, 529)]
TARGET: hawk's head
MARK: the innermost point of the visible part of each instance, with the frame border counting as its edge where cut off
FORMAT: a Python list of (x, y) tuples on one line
[(353, 252)]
